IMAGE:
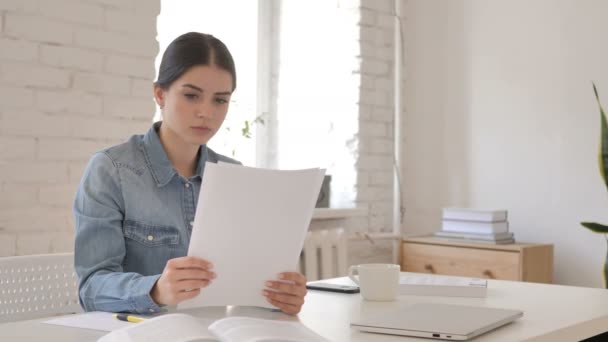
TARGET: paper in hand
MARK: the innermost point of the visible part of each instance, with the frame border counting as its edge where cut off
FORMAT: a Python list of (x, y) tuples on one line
[(250, 224)]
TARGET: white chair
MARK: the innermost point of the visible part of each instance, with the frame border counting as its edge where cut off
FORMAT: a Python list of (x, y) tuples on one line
[(35, 286)]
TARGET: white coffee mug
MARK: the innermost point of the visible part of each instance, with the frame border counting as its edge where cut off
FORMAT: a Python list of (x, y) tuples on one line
[(377, 281)]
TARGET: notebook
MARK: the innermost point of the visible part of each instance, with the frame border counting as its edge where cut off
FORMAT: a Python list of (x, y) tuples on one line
[(439, 321)]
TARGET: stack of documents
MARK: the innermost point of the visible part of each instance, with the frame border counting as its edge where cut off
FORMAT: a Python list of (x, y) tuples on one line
[(250, 224), (436, 285)]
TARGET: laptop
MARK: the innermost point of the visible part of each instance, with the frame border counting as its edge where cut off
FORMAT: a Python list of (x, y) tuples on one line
[(439, 321)]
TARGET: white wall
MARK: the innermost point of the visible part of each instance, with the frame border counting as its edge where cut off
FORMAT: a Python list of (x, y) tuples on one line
[(502, 115), (75, 76)]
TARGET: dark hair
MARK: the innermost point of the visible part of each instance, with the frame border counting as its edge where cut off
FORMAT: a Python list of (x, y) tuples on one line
[(192, 49)]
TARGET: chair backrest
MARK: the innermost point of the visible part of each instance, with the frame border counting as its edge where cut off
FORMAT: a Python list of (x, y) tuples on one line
[(35, 286)]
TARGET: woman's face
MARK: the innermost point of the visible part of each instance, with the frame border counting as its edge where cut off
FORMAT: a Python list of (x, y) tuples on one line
[(195, 105)]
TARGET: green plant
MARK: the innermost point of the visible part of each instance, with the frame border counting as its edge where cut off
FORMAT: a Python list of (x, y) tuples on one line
[(246, 129), (603, 164)]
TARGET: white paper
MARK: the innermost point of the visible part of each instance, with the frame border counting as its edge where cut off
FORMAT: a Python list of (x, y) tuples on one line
[(251, 224), (91, 320)]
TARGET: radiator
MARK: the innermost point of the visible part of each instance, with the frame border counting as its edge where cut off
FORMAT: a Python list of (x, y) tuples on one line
[(324, 254)]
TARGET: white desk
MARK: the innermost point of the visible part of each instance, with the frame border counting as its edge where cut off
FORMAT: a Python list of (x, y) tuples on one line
[(551, 313)]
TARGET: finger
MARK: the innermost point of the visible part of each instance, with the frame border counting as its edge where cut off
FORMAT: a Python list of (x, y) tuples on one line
[(195, 274), (182, 296), (176, 275), (286, 308), (188, 285), (297, 290), (284, 298), (296, 277), (189, 262)]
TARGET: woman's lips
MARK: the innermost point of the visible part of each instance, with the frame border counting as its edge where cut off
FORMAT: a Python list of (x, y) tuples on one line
[(201, 129)]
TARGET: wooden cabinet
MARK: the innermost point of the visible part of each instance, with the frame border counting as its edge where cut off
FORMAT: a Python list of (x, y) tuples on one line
[(519, 261)]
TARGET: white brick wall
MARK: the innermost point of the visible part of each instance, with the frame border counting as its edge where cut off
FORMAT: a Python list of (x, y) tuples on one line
[(37, 28), (75, 76), (71, 57), (102, 83), (33, 75), (13, 148), (375, 163), (13, 97), (18, 50), (70, 101)]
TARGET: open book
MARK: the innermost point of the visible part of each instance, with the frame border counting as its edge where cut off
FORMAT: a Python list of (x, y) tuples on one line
[(180, 327)]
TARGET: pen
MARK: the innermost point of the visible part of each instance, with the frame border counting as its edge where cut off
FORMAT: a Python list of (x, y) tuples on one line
[(128, 318)]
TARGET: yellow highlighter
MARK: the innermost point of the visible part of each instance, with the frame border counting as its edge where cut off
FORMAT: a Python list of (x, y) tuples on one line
[(128, 318)]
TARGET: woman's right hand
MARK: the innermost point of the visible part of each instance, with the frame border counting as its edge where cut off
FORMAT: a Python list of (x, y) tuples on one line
[(182, 279)]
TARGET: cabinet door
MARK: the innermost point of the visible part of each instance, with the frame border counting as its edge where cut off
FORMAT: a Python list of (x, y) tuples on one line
[(461, 261)]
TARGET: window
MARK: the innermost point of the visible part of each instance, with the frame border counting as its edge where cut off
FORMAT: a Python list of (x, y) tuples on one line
[(318, 92), (304, 83)]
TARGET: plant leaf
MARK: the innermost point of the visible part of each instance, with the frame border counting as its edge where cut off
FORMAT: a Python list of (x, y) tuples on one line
[(606, 270), (603, 150), (245, 131), (595, 227)]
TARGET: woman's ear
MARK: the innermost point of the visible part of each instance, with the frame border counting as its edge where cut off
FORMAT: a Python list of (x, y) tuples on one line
[(159, 96)]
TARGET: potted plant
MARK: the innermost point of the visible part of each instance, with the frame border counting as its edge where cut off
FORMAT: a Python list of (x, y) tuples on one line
[(603, 164)]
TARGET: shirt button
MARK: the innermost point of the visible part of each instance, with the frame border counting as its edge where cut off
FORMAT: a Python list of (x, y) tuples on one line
[(192, 224), (150, 237), (187, 185), (151, 310)]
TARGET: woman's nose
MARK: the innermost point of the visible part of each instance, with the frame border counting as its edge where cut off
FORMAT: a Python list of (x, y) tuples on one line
[(204, 111)]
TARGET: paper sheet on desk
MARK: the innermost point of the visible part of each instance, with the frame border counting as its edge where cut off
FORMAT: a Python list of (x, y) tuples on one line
[(96, 320), (251, 224)]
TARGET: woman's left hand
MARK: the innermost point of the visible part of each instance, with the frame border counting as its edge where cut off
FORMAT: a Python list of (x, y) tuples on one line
[(287, 293)]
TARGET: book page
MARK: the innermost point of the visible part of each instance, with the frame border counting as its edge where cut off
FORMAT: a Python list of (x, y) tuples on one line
[(251, 224), (245, 329), (171, 327)]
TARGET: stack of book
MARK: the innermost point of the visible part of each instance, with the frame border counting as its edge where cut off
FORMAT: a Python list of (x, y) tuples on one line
[(476, 225)]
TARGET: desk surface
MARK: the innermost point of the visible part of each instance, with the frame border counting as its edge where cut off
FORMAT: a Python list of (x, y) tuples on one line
[(550, 311)]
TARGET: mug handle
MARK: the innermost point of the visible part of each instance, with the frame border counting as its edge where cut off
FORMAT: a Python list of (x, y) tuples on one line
[(353, 274)]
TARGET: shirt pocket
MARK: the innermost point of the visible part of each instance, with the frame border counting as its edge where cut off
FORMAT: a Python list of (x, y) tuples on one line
[(151, 235), (149, 247)]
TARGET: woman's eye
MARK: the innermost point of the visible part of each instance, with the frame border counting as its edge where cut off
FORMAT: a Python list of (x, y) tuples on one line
[(221, 100), (191, 96)]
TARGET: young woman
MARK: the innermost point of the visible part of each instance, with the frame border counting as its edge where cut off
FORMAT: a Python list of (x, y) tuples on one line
[(135, 205)]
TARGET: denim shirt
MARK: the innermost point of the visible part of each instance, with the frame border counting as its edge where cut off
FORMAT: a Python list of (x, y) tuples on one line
[(133, 212)]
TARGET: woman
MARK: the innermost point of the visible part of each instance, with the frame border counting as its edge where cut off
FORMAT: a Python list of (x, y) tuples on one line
[(135, 205)]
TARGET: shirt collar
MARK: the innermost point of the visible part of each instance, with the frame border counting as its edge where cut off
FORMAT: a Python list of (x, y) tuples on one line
[(161, 168)]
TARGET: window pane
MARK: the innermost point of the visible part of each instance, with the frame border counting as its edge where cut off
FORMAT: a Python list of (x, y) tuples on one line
[(318, 92)]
